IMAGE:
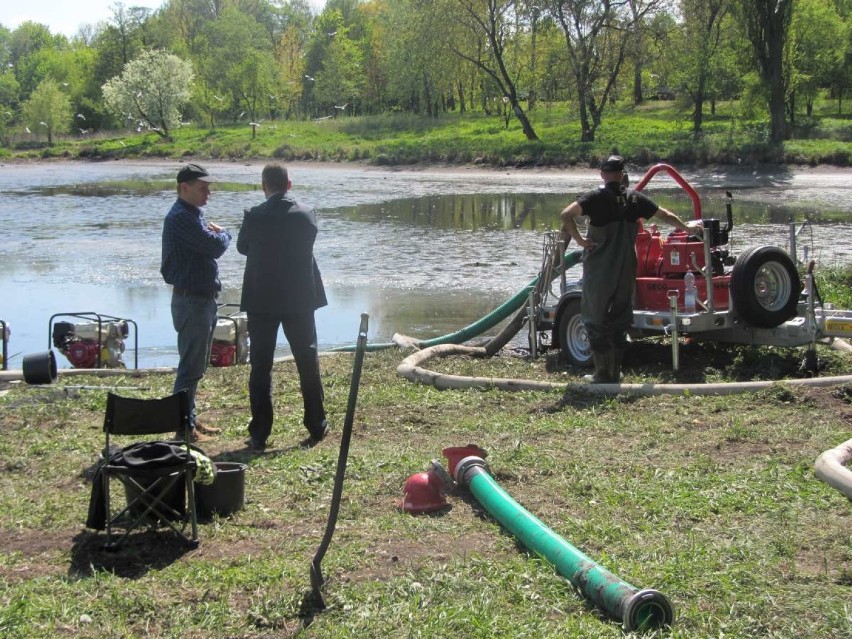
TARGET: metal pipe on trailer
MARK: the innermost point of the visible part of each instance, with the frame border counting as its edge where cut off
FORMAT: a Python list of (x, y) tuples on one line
[(673, 331), (636, 609)]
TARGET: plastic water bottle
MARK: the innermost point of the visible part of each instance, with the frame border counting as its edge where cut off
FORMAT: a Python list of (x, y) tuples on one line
[(689, 292)]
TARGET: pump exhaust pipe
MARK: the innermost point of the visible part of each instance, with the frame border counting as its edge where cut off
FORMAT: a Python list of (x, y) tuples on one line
[(637, 610)]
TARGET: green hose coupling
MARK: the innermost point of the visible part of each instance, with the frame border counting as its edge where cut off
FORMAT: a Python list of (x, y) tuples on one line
[(636, 609)]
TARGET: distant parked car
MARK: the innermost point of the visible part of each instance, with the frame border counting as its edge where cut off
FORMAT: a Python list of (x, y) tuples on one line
[(662, 93)]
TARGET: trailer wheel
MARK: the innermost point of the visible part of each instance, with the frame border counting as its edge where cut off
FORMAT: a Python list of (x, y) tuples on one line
[(573, 340), (765, 286)]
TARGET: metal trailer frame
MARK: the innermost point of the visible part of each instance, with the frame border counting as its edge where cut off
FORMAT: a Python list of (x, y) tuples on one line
[(811, 323)]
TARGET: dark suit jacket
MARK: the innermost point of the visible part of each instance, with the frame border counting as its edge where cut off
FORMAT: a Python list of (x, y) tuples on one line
[(281, 275)]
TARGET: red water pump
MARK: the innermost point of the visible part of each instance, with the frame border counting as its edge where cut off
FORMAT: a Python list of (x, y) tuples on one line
[(230, 340), (91, 344)]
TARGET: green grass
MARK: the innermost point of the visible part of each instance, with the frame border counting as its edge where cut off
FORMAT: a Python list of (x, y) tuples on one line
[(646, 134), (711, 500)]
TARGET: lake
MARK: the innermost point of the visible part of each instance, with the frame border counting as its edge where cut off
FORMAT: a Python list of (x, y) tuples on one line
[(423, 251)]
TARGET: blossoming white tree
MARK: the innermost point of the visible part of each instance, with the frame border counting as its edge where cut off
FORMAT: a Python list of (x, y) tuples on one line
[(151, 90)]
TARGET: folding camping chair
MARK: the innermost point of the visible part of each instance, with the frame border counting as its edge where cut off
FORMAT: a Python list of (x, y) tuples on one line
[(157, 476)]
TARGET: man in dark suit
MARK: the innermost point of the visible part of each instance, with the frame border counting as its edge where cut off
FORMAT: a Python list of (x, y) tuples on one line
[(281, 286)]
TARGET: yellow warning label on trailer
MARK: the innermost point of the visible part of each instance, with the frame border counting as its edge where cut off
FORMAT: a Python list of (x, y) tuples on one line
[(838, 326)]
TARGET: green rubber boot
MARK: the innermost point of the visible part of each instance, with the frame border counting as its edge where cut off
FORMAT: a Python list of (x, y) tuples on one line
[(603, 363), (615, 365)]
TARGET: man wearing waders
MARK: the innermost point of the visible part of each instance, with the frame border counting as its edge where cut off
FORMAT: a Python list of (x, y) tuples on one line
[(609, 262)]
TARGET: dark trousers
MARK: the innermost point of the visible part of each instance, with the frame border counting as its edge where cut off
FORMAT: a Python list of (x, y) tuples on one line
[(300, 331)]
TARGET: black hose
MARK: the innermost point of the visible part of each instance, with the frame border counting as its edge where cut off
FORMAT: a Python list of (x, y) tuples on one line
[(317, 580)]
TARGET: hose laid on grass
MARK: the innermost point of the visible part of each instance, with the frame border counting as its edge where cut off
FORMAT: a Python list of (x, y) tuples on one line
[(831, 468), (410, 369), (636, 609)]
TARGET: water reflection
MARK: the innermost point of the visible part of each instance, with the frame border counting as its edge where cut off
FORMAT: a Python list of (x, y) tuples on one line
[(531, 211), (424, 253)]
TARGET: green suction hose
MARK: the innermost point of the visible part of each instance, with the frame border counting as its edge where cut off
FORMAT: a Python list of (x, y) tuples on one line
[(636, 609), (482, 324)]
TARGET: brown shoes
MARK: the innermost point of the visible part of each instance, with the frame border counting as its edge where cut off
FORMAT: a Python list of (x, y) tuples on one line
[(203, 428), (194, 437), (197, 437)]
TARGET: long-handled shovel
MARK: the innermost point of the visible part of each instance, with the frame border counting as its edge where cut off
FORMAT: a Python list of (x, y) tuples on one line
[(317, 580)]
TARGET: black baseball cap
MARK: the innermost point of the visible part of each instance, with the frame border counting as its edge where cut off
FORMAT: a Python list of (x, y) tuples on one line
[(192, 172), (613, 163)]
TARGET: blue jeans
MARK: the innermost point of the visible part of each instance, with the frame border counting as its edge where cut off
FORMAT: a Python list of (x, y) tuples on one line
[(194, 319)]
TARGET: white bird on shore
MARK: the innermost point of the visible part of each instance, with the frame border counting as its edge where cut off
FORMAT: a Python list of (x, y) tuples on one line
[(80, 116), (27, 129)]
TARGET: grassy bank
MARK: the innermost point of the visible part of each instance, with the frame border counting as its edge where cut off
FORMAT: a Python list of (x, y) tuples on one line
[(653, 132), (711, 500)]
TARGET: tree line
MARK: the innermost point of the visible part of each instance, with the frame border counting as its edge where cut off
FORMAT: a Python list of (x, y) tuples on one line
[(226, 61)]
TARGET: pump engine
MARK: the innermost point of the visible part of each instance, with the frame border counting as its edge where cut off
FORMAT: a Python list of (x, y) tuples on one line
[(230, 340), (91, 344)]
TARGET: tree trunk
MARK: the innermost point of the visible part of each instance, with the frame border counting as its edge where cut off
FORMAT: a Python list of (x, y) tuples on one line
[(525, 122), (637, 83), (588, 132), (697, 115), (777, 121), (698, 104), (792, 109)]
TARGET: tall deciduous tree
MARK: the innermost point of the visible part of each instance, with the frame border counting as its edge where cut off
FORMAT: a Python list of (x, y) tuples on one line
[(767, 23), (152, 89), (817, 46), (639, 11), (702, 22), (340, 79), (29, 44), (493, 21), (415, 64), (48, 110), (597, 33), (238, 63)]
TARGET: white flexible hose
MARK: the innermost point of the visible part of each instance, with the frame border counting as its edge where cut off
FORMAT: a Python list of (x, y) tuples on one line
[(831, 468), (410, 369)]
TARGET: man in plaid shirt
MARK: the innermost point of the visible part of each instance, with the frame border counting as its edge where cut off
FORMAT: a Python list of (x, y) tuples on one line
[(191, 246)]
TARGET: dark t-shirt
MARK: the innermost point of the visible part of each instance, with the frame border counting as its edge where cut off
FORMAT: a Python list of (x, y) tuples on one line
[(611, 203)]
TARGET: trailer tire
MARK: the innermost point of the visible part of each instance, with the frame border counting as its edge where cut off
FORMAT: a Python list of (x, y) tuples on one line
[(573, 340), (765, 286)]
